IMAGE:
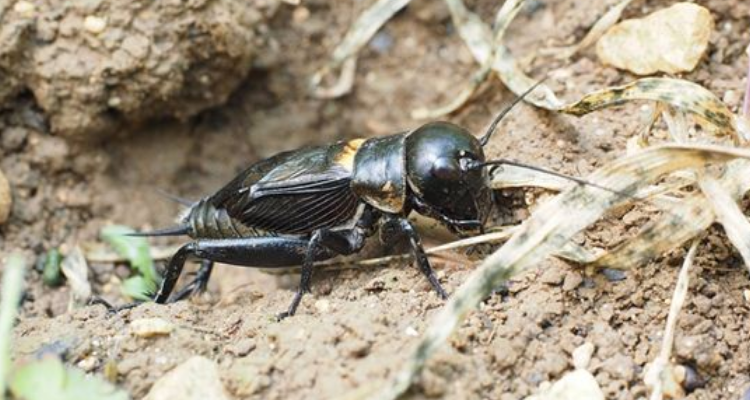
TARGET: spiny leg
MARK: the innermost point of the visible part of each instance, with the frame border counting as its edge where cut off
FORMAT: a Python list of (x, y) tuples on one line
[(343, 242), (305, 277), (174, 269), (398, 226), (268, 252), (198, 284)]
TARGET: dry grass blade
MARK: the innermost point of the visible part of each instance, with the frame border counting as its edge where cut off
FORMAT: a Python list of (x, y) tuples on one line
[(605, 22), (656, 375), (683, 95), (76, 271), (729, 214), (474, 32), (510, 176), (686, 220), (363, 29), (458, 100), (478, 37), (548, 230), (508, 70), (488, 50), (502, 234)]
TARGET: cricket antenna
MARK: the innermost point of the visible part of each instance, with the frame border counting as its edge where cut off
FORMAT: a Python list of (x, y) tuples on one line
[(550, 172), (493, 126), (176, 199)]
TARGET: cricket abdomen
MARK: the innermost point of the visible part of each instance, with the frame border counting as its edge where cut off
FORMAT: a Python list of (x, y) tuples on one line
[(209, 222)]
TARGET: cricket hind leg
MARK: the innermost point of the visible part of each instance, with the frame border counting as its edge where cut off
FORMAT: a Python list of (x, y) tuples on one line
[(265, 252), (198, 284), (249, 252), (342, 242)]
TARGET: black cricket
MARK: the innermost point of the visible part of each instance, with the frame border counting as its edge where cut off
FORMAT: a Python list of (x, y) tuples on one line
[(315, 203)]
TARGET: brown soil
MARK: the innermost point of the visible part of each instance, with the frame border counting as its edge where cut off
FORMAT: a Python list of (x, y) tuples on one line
[(357, 326)]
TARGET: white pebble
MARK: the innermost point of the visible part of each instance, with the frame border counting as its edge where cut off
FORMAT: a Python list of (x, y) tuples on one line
[(410, 331), (323, 306), (582, 355), (149, 327), (95, 24), (25, 8), (746, 294)]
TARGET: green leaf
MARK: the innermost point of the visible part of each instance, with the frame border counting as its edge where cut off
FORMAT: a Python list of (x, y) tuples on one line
[(135, 249), (138, 288), (49, 379), (52, 275), (10, 297)]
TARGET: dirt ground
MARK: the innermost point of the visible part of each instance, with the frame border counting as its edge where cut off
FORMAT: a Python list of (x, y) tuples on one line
[(358, 326)]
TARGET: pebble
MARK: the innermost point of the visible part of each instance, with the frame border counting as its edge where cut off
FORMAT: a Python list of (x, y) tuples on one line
[(24, 8), (410, 331), (241, 347), (614, 275), (150, 327), (572, 280), (582, 355), (88, 364), (746, 295), (300, 15), (95, 24), (6, 200), (323, 306), (579, 385), (552, 276), (14, 138), (195, 379), (504, 353), (382, 42)]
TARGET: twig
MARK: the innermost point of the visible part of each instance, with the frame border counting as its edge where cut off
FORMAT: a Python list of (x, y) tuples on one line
[(655, 375), (11, 296)]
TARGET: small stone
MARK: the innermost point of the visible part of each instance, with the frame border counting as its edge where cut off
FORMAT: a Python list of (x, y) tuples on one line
[(195, 379), (614, 275), (357, 348), (730, 98), (323, 306), (572, 280), (150, 327), (300, 15), (6, 200), (88, 364), (95, 24), (410, 331), (579, 385), (13, 138), (24, 8), (504, 353), (582, 355), (241, 347), (746, 295), (382, 42), (620, 366), (552, 276), (669, 40)]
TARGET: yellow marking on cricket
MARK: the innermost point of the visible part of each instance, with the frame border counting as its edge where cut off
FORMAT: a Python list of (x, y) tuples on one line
[(346, 157)]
